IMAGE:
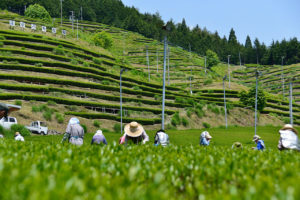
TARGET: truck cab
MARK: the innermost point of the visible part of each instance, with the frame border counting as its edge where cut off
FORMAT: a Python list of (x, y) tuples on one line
[(7, 122), (38, 127)]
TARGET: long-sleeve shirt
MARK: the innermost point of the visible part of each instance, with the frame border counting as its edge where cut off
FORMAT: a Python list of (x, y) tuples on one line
[(204, 141), (288, 140), (260, 145), (161, 138), (142, 138), (75, 131), (99, 139)]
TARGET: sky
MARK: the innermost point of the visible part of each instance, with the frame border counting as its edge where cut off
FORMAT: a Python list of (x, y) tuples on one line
[(266, 20)]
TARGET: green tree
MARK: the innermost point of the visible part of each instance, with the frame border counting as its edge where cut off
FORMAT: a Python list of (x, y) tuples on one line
[(212, 58), (103, 39), (248, 98), (38, 12)]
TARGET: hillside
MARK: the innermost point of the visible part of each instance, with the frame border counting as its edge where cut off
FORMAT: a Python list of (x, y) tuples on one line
[(55, 77)]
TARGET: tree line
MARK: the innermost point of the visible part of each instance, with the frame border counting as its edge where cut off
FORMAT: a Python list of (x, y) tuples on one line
[(199, 40)]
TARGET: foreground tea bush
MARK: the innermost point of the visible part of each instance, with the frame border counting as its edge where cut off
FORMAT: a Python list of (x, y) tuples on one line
[(32, 170)]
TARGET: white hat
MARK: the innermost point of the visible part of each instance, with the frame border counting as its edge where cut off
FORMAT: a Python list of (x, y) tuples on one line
[(205, 134), (133, 129), (288, 126), (73, 121), (99, 132), (256, 137)]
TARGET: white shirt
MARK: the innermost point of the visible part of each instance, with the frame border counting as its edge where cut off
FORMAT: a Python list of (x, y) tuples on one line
[(289, 139), (19, 138)]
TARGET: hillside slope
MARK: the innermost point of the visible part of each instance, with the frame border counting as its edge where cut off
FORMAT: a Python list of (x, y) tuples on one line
[(54, 78)]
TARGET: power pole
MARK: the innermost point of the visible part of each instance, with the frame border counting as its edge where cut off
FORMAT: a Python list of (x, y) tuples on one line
[(225, 107), (205, 65), (72, 18), (257, 74), (81, 12), (229, 70), (157, 60), (282, 80), (121, 111), (61, 12), (168, 65), (164, 85), (147, 58)]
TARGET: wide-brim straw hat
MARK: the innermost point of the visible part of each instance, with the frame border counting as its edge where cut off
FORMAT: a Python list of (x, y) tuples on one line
[(17, 133), (133, 129), (208, 136), (289, 127), (256, 137)]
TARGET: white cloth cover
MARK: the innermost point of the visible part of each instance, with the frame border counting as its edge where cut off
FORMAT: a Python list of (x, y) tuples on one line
[(289, 139)]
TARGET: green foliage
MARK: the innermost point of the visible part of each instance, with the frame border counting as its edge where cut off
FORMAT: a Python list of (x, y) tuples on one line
[(176, 119), (84, 127), (59, 118), (18, 102), (47, 115), (96, 123), (74, 62), (1, 44), (59, 51), (97, 61), (38, 12), (248, 98), (208, 81), (51, 103), (39, 64), (103, 39), (185, 122), (212, 58), (206, 125), (21, 129), (117, 128)]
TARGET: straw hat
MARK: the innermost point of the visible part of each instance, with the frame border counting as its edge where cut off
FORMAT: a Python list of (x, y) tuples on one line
[(133, 129), (17, 133), (256, 137), (289, 127), (99, 132), (208, 136), (205, 134)]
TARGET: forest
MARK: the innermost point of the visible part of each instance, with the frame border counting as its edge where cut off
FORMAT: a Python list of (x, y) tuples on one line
[(197, 39)]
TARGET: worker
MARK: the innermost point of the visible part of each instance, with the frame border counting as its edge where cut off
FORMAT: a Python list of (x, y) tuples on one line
[(205, 138), (135, 133), (74, 132), (99, 138), (288, 138), (260, 145), (19, 137), (161, 138)]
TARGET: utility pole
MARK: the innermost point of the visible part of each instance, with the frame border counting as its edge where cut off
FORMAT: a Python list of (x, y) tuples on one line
[(81, 12), (157, 60), (282, 80), (240, 59), (291, 101), (205, 65), (77, 29), (225, 107), (166, 28), (147, 58), (168, 65), (61, 12), (121, 111), (229, 70), (257, 74), (72, 18)]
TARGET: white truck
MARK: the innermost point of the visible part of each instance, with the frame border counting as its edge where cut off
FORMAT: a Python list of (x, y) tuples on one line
[(38, 127), (7, 122)]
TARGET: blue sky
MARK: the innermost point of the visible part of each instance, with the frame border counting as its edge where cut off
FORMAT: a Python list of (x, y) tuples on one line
[(264, 19)]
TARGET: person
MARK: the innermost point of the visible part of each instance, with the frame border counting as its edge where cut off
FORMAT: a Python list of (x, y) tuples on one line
[(3, 110), (237, 145), (19, 137), (205, 138), (260, 145), (161, 138), (135, 133), (74, 132), (99, 138), (1, 136), (288, 138), (122, 139)]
